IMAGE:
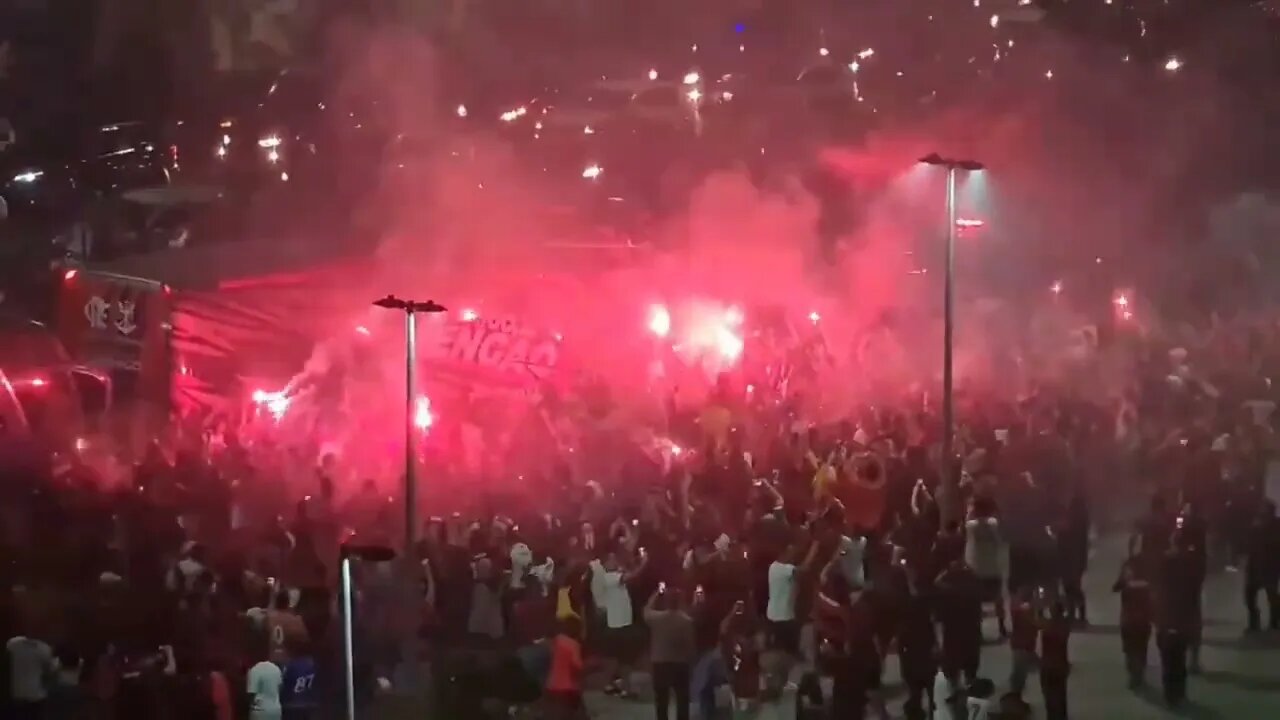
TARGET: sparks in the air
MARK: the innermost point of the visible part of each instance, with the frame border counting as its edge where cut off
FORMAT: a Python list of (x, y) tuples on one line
[(653, 74), (1056, 287), (692, 78), (1173, 64), (866, 53), (592, 171), (422, 417), (461, 111)]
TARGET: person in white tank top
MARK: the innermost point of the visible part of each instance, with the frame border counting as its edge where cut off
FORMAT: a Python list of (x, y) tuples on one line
[(984, 552)]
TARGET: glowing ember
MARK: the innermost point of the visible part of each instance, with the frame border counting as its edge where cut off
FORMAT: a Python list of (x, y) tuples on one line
[(823, 52), (1056, 287), (513, 115), (814, 317), (653, 74), (969, 223), (1173, 65), (692, 78), (468, 315), (593, 171), (362, 330), (694, 95), (461, 111), (866, 54), (659, 321), (1122, 301), (676, 450), (422, 417)]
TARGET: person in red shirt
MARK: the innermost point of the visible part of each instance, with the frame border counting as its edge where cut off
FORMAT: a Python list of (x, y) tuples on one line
[(564, 681), (1055, 664), (1136, 620)]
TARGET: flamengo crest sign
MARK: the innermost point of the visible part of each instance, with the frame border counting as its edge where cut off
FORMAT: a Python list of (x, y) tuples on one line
[(100, 316)]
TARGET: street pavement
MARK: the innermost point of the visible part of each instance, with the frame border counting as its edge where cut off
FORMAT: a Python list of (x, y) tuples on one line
[(1240, 679)]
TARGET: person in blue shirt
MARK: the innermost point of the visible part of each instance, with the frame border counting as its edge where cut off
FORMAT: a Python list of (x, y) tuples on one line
[(299, 694)]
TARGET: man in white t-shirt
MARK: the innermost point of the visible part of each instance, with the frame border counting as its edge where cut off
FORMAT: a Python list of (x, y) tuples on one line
[(263, 686), (31, 668), (609, 588)]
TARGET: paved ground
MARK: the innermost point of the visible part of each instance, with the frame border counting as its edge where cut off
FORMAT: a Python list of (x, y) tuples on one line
[(1241, 676)]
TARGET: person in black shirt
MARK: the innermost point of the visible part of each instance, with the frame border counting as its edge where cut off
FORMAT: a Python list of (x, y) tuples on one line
[(1179, 608), (1135, 620), (1055, 664), (917, 643), (1262, 566), (959, 595)]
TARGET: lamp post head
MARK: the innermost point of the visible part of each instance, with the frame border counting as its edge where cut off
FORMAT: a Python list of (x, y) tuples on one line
[(936, 159), (391, 302), (371, 553)]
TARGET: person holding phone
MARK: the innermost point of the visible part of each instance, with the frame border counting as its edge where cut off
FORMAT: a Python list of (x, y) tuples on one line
[(672, 650)]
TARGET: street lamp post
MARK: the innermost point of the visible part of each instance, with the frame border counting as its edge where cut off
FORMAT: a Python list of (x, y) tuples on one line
[(372, 553), (948, 499), (410, 308)]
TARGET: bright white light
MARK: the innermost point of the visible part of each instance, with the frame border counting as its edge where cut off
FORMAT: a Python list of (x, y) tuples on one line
[(969, 223), (273, 156), (653, 74), (1173, 64), (726, 96), (694, 95), (676, 450), (866, 54), (271, 141), (854, 66), (692, 78), (221, 152), (659, 321), (362, 330), (1122, 301), (729, 344), (468, 315), (28, 177), (422, 417), (814, 317), (1048, 74), (995, 21), (588, 130), (276, 403), (461, 111), (513, 115), (593, 171), (823, 52), (1056, 287), (733, 316)]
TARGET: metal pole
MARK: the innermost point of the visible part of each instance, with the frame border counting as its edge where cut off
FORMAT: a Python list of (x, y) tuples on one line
[(949, 481), (410, 435), (347, 650)]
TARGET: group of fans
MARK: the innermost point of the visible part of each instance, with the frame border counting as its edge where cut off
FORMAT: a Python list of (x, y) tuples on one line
[(745, 564)]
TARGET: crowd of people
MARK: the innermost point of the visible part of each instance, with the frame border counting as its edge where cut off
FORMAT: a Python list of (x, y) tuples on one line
[(764, 560)]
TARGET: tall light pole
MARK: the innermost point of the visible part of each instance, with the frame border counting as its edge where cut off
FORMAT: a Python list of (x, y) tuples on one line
[(371, 553), (410, 308), (948, 499)]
